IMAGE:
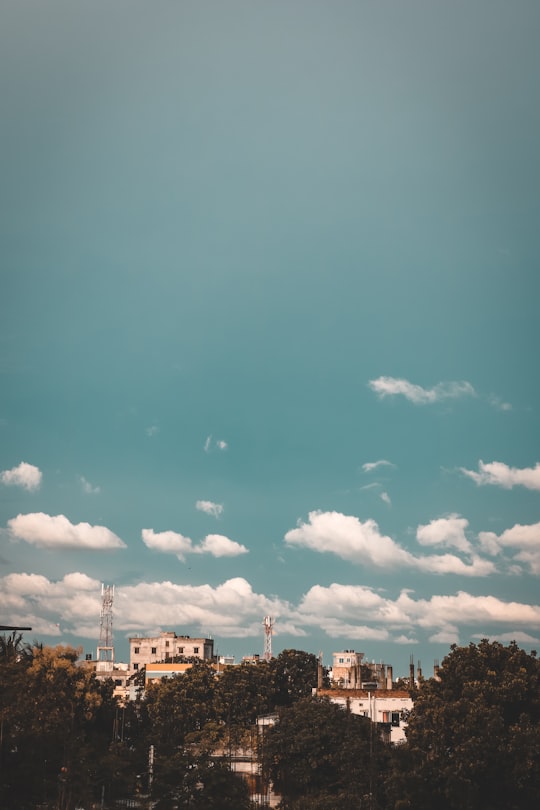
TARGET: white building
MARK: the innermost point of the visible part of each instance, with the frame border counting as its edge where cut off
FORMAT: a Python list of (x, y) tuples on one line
[(388, 707)]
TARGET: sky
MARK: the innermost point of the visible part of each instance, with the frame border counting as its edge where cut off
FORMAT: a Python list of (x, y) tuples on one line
[(269, 323)]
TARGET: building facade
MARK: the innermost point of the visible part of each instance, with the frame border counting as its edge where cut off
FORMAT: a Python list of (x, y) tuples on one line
[(166, 648)]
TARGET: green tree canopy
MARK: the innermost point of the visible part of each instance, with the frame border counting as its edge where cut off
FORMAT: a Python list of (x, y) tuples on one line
[(320, 755), (474, 734)]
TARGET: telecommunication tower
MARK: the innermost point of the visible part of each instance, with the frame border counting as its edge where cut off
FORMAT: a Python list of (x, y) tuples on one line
[(268, 624), (105, 650)]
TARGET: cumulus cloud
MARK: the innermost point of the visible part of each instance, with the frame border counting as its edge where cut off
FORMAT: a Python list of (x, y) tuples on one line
[(362, 543), (25, 475), (233, 609), (393, 386), (448, 531), (499, 474), (88, 488), (210, 508), (169, 542), (221, 444), (357, 611), (526, 539), (374, 465), (384, 496), (57, 532), (220, 546)]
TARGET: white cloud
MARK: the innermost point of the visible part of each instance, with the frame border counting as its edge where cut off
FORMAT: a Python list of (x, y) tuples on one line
[(348, 538), (168, 542), (351, 610), (25, 475), (498, 403), (373, 465), (384, 496), (57, 532), (88, 488), (210, 508), (234, 610), (405, 640), (220, 546), (393, 386), (524, 538), (219, 444), (449, 635), (153, 430), (362, 543), (449, 531), (518, 636), (500, 474)]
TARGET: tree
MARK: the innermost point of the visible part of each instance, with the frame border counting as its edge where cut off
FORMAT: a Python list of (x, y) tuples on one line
[(242, 694), (474, 733), (56, 728), (320, 755), (295, 676), (181, 705)]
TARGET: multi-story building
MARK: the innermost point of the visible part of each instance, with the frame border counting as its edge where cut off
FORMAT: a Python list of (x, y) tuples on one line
[(167, 647), (351, 671)]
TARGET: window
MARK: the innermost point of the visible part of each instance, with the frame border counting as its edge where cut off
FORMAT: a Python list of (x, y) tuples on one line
[(340, 660), (180, 650), (154, 650), (136, 650), (135, 666), (395, 718), (166, 643), (195, 650)]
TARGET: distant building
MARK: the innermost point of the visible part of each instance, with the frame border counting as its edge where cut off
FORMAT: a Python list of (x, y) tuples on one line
[(351, 671), (389, 709), (167, 648)]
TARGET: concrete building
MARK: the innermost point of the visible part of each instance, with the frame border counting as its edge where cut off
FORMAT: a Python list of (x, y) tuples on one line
[(167, 648), (350, 670), (388, 708)]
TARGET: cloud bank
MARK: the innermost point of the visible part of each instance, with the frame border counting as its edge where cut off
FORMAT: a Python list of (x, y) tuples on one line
[(233, 609)]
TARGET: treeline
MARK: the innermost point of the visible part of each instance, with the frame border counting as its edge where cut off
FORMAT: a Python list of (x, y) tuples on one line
[(65, 743)]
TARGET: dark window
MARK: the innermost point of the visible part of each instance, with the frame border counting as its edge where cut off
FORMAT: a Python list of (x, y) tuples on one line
[(395, 718), (118, 682), (135, 666), (154, 650), (195, 650), (166, 643), (180, 650), (136, 650)]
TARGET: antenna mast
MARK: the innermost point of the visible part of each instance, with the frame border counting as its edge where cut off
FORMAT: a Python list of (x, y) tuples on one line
[(268, 628), (105, 650)]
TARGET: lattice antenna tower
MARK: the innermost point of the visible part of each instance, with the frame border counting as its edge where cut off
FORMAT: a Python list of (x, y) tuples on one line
[(105, 650), (268, 624)]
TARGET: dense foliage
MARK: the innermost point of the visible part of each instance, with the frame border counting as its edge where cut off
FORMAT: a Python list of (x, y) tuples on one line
[(474, 734), (473, 740)]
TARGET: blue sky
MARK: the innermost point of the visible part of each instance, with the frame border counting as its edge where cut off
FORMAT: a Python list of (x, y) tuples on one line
[(269, 322)]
